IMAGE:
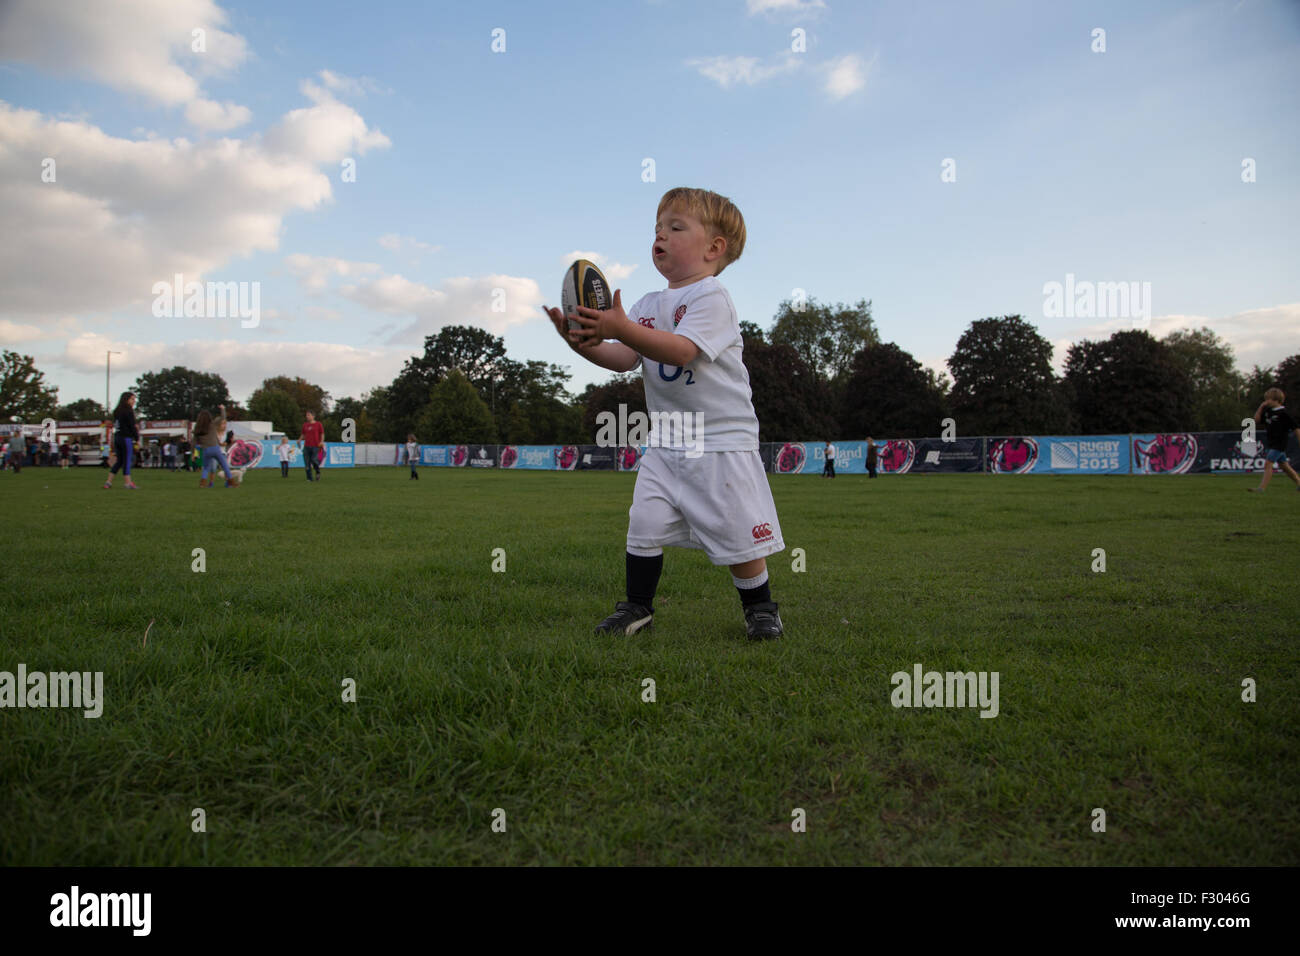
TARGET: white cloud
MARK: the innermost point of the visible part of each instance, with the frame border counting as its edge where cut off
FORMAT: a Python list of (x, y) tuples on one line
[(350, 86), (123, 214), (217, 117), (243, 363), (729, 71), (846, 75), (396, 243), (784, 6), (315, 272), (11, 333), (142, 47), (327, 132), (491, 302), (614, 271), (1261, 336)]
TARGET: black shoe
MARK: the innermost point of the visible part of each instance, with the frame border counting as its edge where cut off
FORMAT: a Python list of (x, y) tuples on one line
[(762, 622), (627, 619)]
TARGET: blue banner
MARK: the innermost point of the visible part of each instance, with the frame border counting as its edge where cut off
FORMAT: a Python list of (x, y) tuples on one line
[(1053, 455)]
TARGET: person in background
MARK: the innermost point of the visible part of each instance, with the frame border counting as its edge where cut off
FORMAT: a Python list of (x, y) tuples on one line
[(312, 444), (17, 450), (284, 451), (828, 469), (413, 455), (207, 435), (871, 457), (65, 451), (126, 434)]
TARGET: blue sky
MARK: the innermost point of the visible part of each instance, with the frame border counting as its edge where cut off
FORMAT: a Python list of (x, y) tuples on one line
[(479, 170)]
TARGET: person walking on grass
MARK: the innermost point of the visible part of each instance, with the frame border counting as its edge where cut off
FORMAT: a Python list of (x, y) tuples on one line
[(17, 450), (126, 433), (828, 470), (312, 444), (1279, 424), (412, 456), (207, 435), (284, 451)]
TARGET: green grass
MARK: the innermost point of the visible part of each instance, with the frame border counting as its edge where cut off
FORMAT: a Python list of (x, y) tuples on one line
[(479, 690)]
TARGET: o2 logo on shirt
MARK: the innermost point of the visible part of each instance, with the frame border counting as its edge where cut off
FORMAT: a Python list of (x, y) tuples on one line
[(663, 373)]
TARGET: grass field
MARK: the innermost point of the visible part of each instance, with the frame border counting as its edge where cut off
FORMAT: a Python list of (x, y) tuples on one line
[(479, 690)]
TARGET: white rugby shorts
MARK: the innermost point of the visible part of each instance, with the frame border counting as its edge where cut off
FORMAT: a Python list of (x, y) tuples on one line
[(718, 501)]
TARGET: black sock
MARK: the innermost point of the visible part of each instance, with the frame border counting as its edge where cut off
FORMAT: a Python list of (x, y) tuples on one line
[(756, 595), (643, 578)]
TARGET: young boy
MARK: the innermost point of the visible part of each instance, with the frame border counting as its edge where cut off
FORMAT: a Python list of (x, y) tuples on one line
[(701, 487), (1279, 424)]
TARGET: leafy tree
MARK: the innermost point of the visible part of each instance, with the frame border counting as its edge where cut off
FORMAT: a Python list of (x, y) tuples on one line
[(477, 353), (538, 392), (24, 396), (1128, 383), (357, 410), (179, 392), (625, 389), (791, 402), (826, 337), (1288, 379), (82, 410), (1003, 381), (455, 414), (751, 330), (1208, 363), (308, 397), (278, 407), (889, 393)]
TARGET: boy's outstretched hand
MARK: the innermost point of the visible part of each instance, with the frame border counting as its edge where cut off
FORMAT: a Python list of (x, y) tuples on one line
[(598, 325), (562, 326)]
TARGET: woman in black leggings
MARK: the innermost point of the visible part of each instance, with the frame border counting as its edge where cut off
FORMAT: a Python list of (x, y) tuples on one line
[(125, 435)]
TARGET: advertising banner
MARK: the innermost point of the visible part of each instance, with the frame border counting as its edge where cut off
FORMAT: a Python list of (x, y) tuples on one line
[(1058, 455), (1203, 453), (596, 458), (934, 455), (483, 456)]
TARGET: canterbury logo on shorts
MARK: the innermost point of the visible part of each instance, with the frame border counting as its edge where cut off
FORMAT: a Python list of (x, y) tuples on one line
[(762, 531)]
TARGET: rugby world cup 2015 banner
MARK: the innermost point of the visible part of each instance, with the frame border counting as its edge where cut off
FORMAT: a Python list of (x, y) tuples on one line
[(1058, 455), (1201, 453)]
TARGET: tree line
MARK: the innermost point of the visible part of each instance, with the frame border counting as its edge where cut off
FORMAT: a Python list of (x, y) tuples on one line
[(818, 371)]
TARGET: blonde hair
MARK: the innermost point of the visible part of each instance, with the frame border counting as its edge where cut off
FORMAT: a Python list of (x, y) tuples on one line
[(718, 214), (1276, 394)]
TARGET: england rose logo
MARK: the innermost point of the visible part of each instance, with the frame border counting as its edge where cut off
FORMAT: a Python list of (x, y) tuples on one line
[(1172, 454), (1012, 456), (509, 456), (566, 457), (896, 457), (460, 455), (627, 459), (790, 459), (244, 454)]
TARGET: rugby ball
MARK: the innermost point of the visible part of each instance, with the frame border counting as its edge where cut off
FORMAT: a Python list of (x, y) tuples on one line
[(584, 285)]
